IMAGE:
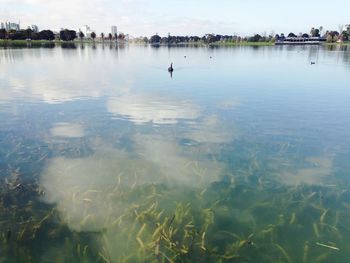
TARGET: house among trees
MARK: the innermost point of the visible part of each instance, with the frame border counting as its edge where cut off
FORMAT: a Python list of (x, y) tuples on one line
[(302, 39)]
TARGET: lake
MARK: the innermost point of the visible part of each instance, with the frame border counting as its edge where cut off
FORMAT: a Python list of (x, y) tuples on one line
[(241, 155)]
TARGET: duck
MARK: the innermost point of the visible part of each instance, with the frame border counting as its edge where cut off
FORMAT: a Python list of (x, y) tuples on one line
[(171, 69)]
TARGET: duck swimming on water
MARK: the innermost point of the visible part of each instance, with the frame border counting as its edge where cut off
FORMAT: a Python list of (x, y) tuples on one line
[(171, 69)]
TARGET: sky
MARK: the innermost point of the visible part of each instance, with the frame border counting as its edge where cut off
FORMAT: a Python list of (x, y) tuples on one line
[(179, 17)]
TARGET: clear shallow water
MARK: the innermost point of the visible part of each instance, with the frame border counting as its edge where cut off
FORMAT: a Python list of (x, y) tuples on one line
[(104, 157)]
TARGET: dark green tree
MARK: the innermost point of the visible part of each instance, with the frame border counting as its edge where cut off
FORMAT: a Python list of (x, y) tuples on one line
[(209, 38), (28, 33), (3, 33), (68, 35), (81, 35), (93, 36), (155, 39), (314, 32), (46, 35), (255, 38), (17, 35), (344, 36)]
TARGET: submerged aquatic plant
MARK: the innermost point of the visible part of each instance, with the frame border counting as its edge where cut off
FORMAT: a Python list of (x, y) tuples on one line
[(227, 221)]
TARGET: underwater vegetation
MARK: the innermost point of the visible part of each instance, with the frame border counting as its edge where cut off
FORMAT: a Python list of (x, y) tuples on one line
[(227, 221)]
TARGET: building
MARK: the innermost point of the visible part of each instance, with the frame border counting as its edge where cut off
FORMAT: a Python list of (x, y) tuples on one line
[(114, 30), (87, 31), (35, 28), (10, 26), (299, 40)]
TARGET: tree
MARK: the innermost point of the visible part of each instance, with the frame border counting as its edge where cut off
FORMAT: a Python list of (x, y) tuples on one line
[(332, 36), (103, 37), (344, 36), (3, 33), (329, 39), (68, 35), (121, 37), (28, 33), (255, 38), (292, 35), (93, 36), (209, 38), (110, 37), (46, 35), (81, 35), (314, 32), (155, 39), (17, 35)]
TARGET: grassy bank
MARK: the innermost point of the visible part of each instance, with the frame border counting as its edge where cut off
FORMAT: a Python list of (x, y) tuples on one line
[(244, 43), (338, 44), (25, 43)]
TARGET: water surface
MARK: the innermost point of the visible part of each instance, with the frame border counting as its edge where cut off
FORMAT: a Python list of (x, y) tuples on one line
[(240, 156)]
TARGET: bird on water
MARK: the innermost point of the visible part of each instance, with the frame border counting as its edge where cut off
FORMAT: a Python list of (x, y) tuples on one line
[(171, 69)]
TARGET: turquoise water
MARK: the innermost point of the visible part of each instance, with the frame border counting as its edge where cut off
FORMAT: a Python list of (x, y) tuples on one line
[(242, 155)]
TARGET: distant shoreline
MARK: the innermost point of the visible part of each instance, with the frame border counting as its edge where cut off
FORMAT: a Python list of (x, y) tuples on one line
[(48, 43)]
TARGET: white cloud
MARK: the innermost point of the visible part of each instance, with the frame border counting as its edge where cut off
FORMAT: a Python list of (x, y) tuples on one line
[(136, 17)]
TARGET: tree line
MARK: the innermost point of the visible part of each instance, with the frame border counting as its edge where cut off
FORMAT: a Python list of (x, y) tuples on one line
[(208, 38), (330, 36), (64, 35), (70, 35), (26, 34)]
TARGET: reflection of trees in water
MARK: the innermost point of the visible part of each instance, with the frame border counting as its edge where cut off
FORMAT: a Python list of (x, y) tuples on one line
[(345, 54), (313, 53), (68, 45), (342, 51), (8, 55)]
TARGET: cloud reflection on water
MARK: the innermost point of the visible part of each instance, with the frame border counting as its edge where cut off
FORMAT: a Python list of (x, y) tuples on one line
[(210, 130), (83, 188), (68, 130), (317, 172), (144, 108)]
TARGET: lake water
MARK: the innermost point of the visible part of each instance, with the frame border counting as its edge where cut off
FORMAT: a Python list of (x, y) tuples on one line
[(242, 155)]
